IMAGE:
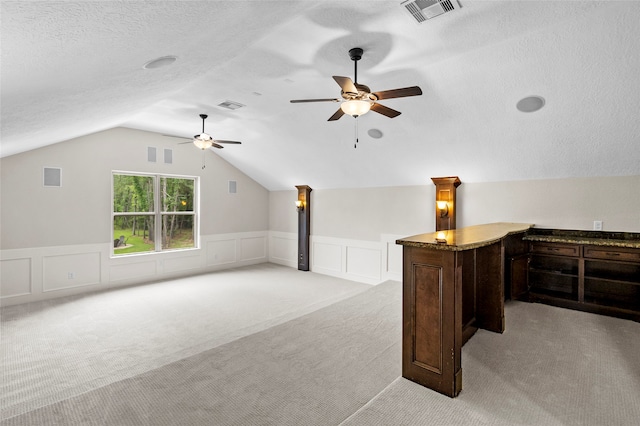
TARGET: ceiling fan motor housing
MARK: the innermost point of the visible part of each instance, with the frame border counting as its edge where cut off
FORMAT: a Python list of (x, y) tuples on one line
[(356, 53)]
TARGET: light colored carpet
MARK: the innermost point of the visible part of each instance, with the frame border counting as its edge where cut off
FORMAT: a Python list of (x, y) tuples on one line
[(57, 349), (337, 363), (552, 366), (314, 370)]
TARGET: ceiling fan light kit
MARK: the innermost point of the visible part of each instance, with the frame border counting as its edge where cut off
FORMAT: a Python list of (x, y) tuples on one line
[(356, 107), (203, 141), (358, 99)]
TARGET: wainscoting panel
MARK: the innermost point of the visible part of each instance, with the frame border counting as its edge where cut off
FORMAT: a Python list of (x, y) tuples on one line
[(15, 277), (392, 255), (326, 257), (363, 262), (354, 260), (70, 270), (183, 263), (253, 248), (133, 271), (283, 248), (40, 273), (221, 252)]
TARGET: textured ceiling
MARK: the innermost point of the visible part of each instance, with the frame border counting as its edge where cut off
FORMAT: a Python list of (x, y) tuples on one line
[(74, 68)]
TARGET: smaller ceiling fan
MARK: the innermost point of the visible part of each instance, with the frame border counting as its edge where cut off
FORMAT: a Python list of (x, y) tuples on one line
[(205, 141), (358, 99)]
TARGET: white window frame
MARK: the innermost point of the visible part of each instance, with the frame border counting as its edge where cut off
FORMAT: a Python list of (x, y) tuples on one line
[(158, 213)]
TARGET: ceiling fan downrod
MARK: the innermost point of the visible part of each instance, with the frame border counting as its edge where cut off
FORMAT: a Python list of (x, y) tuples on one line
[(204, 117), (355, 54)]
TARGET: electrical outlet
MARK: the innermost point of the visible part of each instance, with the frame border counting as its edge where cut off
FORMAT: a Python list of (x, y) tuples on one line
[(597, 225), (71, 275)]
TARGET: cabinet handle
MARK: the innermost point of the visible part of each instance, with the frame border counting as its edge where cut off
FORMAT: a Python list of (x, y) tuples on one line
[(552, 249), (613, 254)]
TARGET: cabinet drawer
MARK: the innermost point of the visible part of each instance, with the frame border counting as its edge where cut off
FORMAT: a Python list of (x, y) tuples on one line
[(627, 255), (558, 249)]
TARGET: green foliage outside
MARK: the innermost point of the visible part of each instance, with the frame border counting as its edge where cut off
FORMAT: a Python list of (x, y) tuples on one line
[(135, 194)]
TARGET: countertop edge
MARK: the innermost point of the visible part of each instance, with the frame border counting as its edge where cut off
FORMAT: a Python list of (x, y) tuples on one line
[(603, 242), (469, 246)]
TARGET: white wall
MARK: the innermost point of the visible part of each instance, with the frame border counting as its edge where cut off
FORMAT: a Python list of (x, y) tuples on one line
[(56, 241)]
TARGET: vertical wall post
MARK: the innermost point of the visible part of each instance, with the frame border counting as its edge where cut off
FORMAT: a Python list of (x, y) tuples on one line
[(446, 192), (304, 225)]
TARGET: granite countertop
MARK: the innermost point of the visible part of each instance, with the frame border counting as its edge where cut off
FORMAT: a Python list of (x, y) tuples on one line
[(468, 238), (591, 240)]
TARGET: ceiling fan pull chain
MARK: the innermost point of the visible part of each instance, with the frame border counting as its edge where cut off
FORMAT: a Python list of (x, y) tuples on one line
[(204, 159), (355, 145)]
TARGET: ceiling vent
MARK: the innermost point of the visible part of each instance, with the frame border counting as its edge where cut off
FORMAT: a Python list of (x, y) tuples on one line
[(230, 105), (422, 10)]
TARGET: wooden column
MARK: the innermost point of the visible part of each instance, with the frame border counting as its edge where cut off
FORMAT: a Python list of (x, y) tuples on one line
[(446, 191), (304, 225)]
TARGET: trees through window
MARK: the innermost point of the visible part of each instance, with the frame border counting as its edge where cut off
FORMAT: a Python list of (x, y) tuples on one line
[(153, 213)]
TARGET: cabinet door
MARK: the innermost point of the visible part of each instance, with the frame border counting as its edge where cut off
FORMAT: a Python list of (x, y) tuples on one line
[(519, 266)]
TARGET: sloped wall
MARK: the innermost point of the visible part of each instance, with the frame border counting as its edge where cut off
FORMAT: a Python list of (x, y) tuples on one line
[(57, 240)]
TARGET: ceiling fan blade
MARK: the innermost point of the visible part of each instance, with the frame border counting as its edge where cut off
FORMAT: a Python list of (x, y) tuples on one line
[(224, 141), (297, 101), (339, 113), (215, 145), (398, 93), (346, 84), (381, 109), (177, 137)]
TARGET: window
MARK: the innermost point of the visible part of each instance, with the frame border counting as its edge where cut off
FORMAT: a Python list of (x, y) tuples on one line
[(153, 213)]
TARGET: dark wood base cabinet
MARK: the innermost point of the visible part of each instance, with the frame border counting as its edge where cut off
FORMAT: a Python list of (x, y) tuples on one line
[(450, 290), (593, 278)]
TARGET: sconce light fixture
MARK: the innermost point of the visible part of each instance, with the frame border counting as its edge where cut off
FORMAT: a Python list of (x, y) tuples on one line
[(443, 206), (300, 205)]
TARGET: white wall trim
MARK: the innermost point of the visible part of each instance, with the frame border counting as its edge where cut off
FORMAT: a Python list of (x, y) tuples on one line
[(35, 274), (41, 273), (283, 248), (392, 257), (354, 260)]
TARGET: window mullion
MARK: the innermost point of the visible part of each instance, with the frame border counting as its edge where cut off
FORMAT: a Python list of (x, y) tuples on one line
[(158, 213)]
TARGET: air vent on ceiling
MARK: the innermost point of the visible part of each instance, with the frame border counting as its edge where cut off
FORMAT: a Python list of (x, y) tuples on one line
[(230, 105), (422, 10)]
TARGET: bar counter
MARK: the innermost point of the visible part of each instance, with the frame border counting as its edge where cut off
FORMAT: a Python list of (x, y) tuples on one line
[(449, 291)]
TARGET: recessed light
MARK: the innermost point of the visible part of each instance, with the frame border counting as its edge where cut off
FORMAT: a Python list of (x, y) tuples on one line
[(375, 133), (160, 62), (530, 103)]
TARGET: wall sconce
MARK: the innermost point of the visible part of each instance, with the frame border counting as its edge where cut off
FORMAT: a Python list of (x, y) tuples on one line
[(443, 206), (300, 205)]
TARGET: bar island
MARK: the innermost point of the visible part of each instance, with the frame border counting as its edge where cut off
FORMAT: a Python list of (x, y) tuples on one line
[(452, 288)]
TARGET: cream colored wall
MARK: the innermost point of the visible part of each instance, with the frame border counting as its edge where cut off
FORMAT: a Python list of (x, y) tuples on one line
[(365, 214), (79, 212), (554, 203), (283, 216)]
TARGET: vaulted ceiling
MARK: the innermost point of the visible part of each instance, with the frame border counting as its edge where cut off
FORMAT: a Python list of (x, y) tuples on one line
[(71, 68)]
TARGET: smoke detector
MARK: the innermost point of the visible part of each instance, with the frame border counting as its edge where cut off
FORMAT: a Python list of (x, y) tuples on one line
[(422, 10)]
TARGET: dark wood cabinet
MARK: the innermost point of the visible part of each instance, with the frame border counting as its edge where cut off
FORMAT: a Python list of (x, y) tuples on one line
[(452, 289), (592, 278)]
